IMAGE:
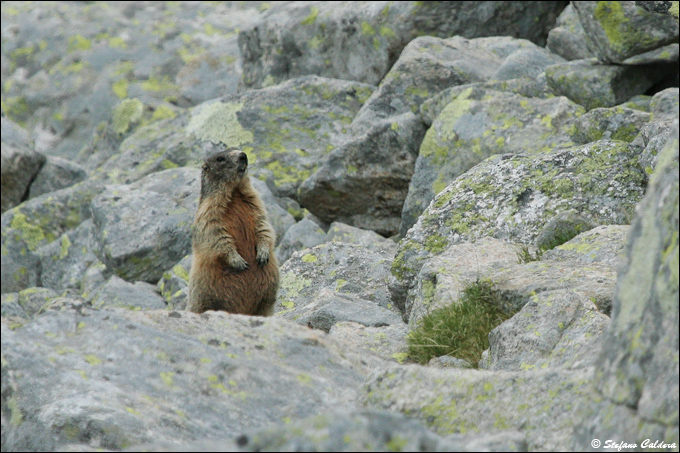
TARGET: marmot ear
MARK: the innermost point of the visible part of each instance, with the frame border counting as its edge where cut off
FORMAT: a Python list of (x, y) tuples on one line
[(205, 167)]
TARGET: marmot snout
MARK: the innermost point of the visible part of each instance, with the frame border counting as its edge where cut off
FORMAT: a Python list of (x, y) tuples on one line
[(234, 267)]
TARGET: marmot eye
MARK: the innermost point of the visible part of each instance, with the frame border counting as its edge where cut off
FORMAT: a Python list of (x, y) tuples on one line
[(220, 159)]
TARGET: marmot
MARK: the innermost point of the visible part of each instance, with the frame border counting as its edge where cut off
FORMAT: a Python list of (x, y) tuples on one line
[(234, 267)]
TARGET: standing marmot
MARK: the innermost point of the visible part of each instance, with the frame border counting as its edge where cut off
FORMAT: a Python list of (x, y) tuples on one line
[(234, 267)]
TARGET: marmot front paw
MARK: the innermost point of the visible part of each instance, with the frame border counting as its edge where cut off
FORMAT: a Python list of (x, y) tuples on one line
[(262, 255)]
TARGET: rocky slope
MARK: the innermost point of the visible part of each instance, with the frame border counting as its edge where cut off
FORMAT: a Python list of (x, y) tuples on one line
[(403, 150)]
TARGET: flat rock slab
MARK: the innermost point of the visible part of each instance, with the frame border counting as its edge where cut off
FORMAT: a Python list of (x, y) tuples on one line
[(114, 378)]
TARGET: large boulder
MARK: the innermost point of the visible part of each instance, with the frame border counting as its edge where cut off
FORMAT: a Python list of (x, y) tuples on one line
[(361, 41), (621, 32), (636, 382), (20, 165), (477, 124), (513, 197), (365, 181), (285, 130), (145, 227), (114, 378), (568, 39), (341, 274)]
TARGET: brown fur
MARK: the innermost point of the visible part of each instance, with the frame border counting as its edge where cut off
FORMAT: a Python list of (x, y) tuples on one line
[(234, 267)]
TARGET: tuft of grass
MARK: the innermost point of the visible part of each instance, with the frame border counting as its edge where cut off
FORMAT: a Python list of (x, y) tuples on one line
[(524, 254), (461, 329)]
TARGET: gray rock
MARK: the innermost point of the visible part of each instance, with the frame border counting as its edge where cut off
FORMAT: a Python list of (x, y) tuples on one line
[(615, 32), (340, 232), (279, 217), (512, 197), (64, 78), (496, 403), (145, 227), (346, 269), (330, 307), (359, 430), (594, 85), (302, 235), (636, 381), (20, 165), (664, 104), (615, 123), (652, 139), (116, 377), (446, 361), (36, 223), (559, 328), (568, 39), (285, 130), (174, 284), (364, 182), (12, 309), (477, 124), (661, 7), (524, 86), (32, 300), (443, 278), (561, 228), (387, 342), (530, 62), (68, 259), (604, 244), (640, 102), (428, 65), (362, 41), (116, 292), (57, 173)]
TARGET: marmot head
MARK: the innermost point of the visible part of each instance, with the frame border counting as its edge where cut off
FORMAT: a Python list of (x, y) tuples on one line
[(223, 170)]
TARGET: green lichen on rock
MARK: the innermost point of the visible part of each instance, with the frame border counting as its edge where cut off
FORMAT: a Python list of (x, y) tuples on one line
[(126, 114), (218, 122)]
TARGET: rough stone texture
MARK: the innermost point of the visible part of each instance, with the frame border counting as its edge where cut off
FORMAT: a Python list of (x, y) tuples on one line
[(388, 342), (340, 232), (594, 85), (346, 269), (536, 404), (661, 7), (526, 63), (303, 235), (64, 78), (568, 39), (664, 104), (174, 284), (477, 124), (57, 173), (365, 181), (617, 31), (36, 223), (443, 278), (115, 378), (116, 292), (279, 218), (145, 227), (636, 383), (561, 228), (559, 328), (67, 260), (330, 307), (652, 138), (362, 41), (32, 300), (615, 123), (12, 310), (20, 165), (512, 197), (524, 86), (603, 244), (428, 65)]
